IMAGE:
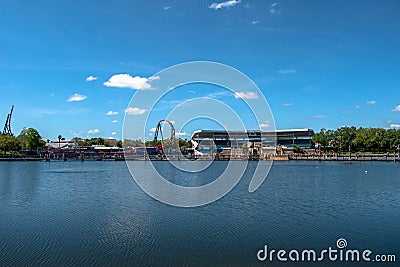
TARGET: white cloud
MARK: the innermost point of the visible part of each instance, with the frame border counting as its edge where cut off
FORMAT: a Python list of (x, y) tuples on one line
[(286, 71), (255, 22), (135, 111), (127, 81), (183, 134), (318, 117), (371, 102), (167, 7), (357, 106), (94, 131), (273, 8), (229, 3), (219, 94), (76, 97), (287, 104), (154, 78), (112, 113), (395, 126), (246, 95), (91, 78), (264, 125), (396, 109), (114, 121), (114, 133), (153, 129)]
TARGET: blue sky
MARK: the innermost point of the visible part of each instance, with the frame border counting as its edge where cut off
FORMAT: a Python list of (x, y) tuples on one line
[(318, 63)]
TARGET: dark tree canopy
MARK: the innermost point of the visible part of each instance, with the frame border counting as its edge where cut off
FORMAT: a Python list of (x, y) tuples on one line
[(358, 139)]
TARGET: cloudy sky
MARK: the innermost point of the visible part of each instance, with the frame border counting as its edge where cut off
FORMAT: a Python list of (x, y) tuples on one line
[(72, 68)]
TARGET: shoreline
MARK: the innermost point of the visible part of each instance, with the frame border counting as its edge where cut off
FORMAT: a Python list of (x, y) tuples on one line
[(341, 158)]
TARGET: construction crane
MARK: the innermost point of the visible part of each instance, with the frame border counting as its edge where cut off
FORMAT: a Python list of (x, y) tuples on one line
[(164, 147), (7, 126)]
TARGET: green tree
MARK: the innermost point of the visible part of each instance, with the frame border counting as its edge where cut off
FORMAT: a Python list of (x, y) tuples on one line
[(33, 139), (95, 141), (107, 143), (322, 138), (119, 144), (375, 142), (151, 143), (345, 136), (393, 138), (183, 144), (9, 143), (30, 139), (59, 137), (360, 139)]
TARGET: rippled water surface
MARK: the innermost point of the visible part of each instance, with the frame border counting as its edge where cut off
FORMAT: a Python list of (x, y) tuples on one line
[(94, 214)]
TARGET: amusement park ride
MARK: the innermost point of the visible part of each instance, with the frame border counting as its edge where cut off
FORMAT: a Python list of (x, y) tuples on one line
[(168, 146), (7, 126), (163, 146)]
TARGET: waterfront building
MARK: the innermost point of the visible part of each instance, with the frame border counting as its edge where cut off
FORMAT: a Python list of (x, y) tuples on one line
[(252, 143), (62, 144)]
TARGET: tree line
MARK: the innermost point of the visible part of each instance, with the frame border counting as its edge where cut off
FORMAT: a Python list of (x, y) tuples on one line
[(340, 140), (30, 140), (358, 139)]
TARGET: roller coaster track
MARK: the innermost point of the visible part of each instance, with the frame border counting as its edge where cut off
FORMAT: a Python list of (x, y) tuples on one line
[(7, 126), (165, 146)]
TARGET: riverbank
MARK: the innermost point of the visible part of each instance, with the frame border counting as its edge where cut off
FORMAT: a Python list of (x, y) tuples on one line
[(296, 157), (21, 159)]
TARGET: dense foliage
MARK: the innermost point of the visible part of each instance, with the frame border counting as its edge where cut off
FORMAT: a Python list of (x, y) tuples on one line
[(9, 143), (30, 139), (358, 139)]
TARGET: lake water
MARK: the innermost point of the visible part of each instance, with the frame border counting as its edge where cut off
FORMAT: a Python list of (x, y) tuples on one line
[(94, 214)]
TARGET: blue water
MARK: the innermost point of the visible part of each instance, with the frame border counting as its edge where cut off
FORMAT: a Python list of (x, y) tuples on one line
[(94, 214)]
